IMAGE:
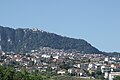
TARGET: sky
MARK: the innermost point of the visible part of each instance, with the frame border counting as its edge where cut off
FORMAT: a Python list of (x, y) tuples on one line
[(96, 21)]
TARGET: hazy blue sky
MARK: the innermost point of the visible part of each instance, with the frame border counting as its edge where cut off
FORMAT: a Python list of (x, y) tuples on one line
[(96, 21)]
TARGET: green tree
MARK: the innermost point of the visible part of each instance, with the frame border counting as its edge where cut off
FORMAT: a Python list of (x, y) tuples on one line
[(8, 74), (25, 74)]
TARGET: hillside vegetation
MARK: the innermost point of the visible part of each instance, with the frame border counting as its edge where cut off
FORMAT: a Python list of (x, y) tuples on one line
[(25, 40), (9, 73)]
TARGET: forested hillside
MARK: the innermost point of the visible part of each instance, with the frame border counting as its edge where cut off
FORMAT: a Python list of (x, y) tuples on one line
[(25, 40)]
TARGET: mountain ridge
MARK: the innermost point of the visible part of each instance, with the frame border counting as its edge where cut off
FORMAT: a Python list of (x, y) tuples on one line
[(24, 40)]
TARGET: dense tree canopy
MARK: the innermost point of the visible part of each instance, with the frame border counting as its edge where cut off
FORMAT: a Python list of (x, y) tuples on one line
[(8, 73)]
